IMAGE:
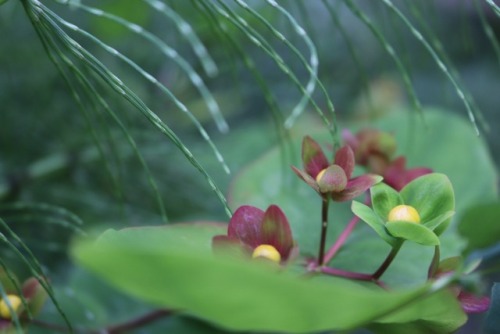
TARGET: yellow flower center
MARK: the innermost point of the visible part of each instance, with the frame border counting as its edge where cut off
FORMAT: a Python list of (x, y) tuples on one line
[(404, 213), (268, 252), (14, 301), (320, 175)]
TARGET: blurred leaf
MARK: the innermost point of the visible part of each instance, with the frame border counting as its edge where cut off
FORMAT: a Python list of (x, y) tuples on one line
[(480, 226), (174, 267)]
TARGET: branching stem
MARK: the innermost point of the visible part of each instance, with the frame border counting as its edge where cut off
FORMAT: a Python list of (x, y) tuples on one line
[(341, 239)]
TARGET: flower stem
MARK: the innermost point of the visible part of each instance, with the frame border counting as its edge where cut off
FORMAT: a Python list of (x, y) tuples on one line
[(324, 226), (352, 275), (387, 262), (435, 262)]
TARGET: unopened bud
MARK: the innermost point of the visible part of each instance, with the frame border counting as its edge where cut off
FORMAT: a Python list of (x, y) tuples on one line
[(405, 213)]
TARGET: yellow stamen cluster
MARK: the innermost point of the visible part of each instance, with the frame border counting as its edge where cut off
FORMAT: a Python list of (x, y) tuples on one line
[(267, 252), (14, 301), (404, 213)]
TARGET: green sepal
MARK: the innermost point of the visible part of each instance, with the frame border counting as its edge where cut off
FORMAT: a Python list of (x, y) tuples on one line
[(438, 222), (431, 195), (384, 199), (366, 214), (412, 231)]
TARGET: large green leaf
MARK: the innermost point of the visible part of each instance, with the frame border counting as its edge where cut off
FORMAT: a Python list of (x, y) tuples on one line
[(445, 142), (174, 267)]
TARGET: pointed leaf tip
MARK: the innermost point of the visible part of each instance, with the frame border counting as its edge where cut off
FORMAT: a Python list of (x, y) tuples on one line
[(275, 231), (345, 159), (306, 178), (313, 158)]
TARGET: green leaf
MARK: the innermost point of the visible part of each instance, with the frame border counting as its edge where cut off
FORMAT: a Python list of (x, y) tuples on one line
[(174, 267), (445, 218), (384, 199), (431, 195), (412, 231), (371, 218), (479, 226)]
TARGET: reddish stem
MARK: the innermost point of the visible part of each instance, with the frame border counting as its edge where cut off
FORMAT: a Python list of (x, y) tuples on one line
[(346, 274), (344, 235), (341, 239), (114, 329), (352, 275), (138, 322)]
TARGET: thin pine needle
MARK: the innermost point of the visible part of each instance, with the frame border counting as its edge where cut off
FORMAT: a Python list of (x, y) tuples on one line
[(352, 51), (488, 30), (14, 316), (171, 53), (439, 62), (440, 50), (494, 6), (311, 66), (392, 53), (38, 13), (285, 143), (261, 42), (93, 94), (187, 31), (151, 79), (34, 266)]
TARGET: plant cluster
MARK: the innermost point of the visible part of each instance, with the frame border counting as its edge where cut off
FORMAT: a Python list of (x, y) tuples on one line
[(414, 205)]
